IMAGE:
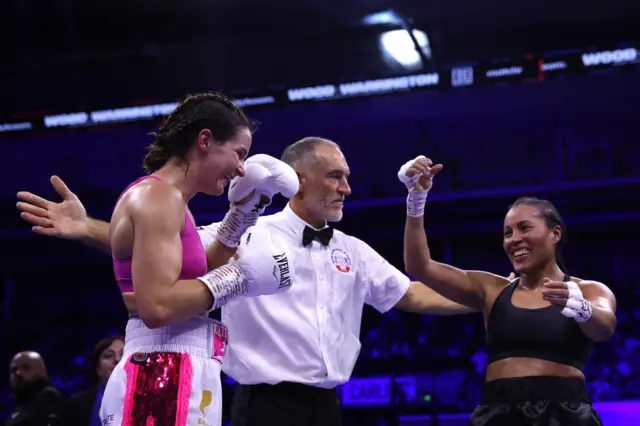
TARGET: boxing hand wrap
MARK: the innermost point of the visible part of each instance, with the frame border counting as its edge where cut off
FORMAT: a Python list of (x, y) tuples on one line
[(224, 283), (416, 202), (234, 224), (417, 199), (577, 307), (250, 195)]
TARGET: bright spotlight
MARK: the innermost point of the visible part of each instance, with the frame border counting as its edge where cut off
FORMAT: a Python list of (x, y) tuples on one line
[(397, 45)]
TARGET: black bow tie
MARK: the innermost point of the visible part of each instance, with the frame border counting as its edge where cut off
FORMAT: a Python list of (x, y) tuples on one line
[(323, 235)]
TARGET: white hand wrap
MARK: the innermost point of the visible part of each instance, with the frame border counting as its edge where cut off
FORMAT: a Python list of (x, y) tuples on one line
[(416, 200), (235, 223), (577, 306), (250, 195), (224, 283)]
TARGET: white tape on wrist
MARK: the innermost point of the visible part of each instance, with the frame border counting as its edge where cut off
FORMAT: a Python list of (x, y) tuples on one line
[(416, 201), (234, 225), (224, 283), (577, 306)]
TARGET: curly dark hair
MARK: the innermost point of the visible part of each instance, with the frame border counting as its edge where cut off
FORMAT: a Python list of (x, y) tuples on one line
[(177, 134)]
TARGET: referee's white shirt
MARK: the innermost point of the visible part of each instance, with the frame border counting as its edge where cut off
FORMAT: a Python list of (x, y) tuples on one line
[(310, 333)]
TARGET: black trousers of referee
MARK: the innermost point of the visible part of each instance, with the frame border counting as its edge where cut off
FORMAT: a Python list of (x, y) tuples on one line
[(285, 404)]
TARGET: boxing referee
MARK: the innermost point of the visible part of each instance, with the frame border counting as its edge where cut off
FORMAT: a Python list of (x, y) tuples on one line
[(289, 351)]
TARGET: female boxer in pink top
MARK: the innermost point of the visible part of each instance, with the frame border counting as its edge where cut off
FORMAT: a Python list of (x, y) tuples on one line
[(170, 372)]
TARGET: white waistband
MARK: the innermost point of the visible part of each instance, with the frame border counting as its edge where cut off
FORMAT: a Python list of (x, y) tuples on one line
[(194, 336)]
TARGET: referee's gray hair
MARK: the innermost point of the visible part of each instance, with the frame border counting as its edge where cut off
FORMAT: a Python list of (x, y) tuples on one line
[(301, 151)]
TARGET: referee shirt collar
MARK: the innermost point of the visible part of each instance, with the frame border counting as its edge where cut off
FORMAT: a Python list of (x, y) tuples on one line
[(296, 223)]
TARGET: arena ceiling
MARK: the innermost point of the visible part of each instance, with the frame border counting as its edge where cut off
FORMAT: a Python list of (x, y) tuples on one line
[(186, 44), (78, 25)]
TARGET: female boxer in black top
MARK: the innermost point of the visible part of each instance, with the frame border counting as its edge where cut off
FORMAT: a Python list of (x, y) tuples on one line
[(540, 327)]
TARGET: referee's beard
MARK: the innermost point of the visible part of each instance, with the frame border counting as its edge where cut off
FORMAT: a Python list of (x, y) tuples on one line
[(333, 211), (317, 212)]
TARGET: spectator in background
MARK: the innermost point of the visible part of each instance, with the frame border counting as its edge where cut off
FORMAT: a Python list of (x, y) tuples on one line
[(82, 409), (36, 400)]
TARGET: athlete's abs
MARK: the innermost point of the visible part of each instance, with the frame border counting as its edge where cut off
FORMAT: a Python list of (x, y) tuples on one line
[(524, 367)]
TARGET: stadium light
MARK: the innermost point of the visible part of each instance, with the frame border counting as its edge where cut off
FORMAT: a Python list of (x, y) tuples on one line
[(398, 46)]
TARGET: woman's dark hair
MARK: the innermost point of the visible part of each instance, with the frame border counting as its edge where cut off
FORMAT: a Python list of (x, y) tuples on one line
[(177, 134), (100, 347), (552, 219)]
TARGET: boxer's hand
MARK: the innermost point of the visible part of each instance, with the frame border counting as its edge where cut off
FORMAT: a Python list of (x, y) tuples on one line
[(512, 276), (250, 195), (67, 219), (264, 177), (265, 265), (417, 174), (259, 267), (568, 298)]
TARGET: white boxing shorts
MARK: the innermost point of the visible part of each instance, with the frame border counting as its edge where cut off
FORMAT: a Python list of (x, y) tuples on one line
[(168, 376)]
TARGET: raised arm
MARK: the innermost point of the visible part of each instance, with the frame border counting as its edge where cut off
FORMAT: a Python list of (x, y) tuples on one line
[(465, 287), (388, 288)]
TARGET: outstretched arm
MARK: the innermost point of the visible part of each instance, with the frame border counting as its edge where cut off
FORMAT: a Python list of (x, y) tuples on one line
[(67, 219), (97, 235), (388, 288), (421, 299)]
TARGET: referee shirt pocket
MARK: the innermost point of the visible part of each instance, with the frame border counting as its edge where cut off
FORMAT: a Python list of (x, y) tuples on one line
[(342, 286)]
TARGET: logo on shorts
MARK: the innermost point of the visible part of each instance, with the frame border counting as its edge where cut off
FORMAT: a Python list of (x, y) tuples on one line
[(341, 260), (205, 401), (140, 358), (108, 420), (220, 341)]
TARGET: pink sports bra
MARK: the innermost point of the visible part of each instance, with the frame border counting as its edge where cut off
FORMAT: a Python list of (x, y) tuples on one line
[(194, 260)]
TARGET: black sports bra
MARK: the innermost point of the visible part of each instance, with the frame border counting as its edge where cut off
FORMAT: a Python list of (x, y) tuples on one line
[(534, 333)]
